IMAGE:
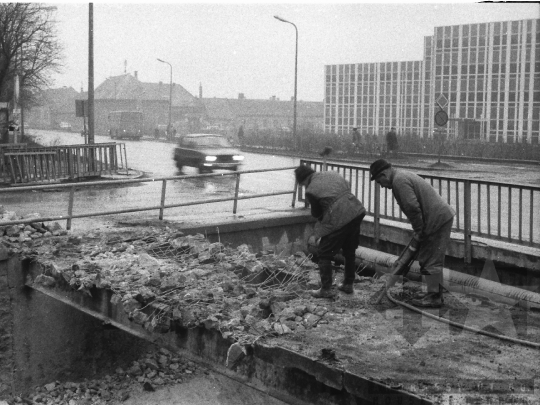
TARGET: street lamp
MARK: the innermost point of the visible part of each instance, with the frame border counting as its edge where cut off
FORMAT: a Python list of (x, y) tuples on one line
[(170, 98), (295, 76)]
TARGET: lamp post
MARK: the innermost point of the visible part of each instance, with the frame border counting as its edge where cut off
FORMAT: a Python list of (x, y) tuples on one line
[(170, 98), (295, 76)]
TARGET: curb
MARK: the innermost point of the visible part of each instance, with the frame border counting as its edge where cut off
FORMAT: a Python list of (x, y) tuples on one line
[(123, 174)]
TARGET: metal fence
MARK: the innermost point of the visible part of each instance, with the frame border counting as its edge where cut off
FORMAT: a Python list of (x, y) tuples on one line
[(20, 164), (492, 210), (501, 211), (161, 207)]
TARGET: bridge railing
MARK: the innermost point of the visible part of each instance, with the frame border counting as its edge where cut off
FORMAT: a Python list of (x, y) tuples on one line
[(161, 206), (493, 210), (22, 164)]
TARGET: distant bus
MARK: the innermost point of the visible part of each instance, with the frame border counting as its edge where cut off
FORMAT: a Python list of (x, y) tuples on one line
[(125, 124)]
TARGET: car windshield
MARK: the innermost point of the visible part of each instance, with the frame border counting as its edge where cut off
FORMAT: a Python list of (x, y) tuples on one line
[(208, 141)]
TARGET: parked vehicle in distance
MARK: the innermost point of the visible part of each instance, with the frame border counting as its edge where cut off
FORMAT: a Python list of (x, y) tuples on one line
[(65, 126), (125, 124), (207, 152)]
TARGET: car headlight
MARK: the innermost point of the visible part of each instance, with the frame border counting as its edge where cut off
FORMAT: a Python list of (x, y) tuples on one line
[(238, 157), (210, 158)]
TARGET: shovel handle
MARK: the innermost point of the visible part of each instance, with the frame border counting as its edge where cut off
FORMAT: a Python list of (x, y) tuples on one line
[(381, 296)]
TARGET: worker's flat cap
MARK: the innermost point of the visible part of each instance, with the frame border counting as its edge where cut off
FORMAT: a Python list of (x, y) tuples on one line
[(377, 167), (302, 172)]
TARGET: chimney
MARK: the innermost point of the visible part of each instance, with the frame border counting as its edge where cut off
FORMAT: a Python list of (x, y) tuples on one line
[(241, 96), (135, 74), (200, 90)]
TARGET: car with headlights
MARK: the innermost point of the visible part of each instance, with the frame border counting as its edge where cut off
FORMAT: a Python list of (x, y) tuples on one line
[(207, 152), (65, 126)]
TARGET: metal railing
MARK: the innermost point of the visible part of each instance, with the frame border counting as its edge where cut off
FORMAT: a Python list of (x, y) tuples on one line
[(79, 186), (493, 210), (501, 211), (21, 164)]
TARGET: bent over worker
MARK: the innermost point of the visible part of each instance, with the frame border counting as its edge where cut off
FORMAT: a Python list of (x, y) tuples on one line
[(339, 215), (431, 219)]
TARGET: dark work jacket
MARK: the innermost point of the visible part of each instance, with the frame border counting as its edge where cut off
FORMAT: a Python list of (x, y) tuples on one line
[(332, 202), (420, 202)]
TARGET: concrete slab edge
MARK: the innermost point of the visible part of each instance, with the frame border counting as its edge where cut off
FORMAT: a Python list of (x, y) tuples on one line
[(258, 369)]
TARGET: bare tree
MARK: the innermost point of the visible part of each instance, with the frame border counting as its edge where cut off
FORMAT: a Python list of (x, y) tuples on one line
[(29, 47)]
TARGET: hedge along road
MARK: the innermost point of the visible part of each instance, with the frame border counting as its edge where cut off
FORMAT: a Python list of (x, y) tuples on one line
[(155, 160)]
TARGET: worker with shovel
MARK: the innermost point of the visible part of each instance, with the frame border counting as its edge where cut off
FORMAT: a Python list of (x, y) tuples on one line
[(431, 219), (339, 214)]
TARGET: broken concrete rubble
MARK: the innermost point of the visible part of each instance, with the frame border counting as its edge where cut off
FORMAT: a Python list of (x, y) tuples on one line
[(20, 237), (187, 279), (163, 277), (154, 369)]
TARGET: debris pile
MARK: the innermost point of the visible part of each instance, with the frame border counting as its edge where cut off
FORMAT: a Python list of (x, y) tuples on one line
[(151, 371), (18, 237), (167, 279)]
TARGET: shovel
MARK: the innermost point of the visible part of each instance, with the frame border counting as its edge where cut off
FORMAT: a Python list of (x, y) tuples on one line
[(401, 266)]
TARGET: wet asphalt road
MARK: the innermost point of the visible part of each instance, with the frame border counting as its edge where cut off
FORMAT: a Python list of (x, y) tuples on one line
[(155, 160)]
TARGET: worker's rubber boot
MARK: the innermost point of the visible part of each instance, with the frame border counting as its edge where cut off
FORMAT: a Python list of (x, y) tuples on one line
[(346, 288), (350, 274), (433, 298), (325, 271)]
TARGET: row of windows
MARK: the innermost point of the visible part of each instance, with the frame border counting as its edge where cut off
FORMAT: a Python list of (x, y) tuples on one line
[(448, 73), (497, 82), (466, 99), (481, 69), (512, 125), (372, 77), (366, 112), (499, 28), (364, 68), (472, 53), (466, 42), (494, 125), (369, 123)]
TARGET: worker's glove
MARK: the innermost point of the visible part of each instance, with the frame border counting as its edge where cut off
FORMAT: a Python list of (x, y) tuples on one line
[(416, 241), (314, 241)]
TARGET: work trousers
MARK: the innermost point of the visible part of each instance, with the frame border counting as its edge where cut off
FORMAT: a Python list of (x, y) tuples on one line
[(431, 256), (345, 239)]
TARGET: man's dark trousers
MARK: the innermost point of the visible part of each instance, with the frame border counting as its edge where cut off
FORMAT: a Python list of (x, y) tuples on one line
[(345, 238)]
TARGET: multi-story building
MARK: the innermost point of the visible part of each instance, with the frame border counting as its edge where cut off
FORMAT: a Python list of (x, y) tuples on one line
[(485, 76)]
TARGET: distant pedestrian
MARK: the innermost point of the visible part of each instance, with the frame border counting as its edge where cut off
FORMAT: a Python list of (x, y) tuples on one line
[(356, 139), (156, 133), (339, 216), (431, 219), (241, 134), (392, 141)]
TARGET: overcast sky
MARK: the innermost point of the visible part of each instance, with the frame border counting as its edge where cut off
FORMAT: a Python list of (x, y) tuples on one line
[(233, 48)]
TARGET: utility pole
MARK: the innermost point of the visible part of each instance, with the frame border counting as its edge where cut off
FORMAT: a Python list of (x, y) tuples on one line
[(91, 73)]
